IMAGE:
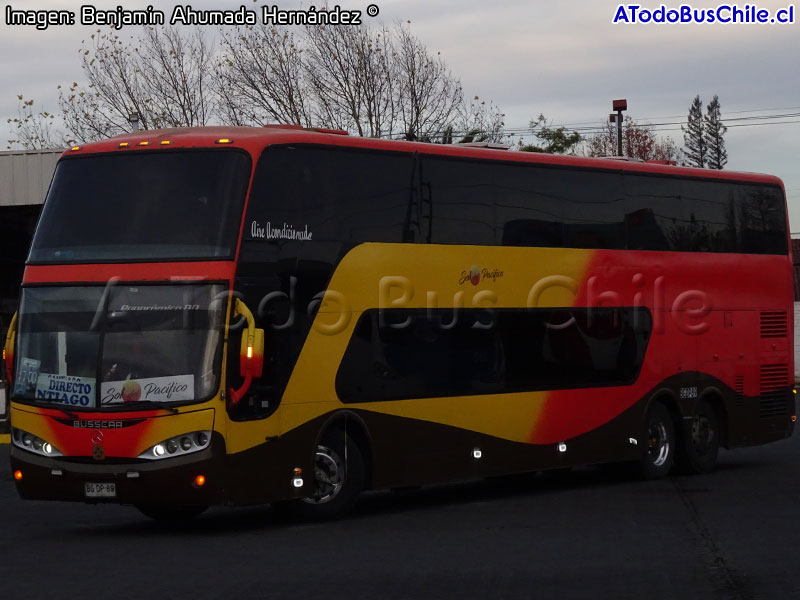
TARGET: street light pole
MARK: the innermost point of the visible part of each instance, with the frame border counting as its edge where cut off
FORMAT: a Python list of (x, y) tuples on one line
[(619, 106)]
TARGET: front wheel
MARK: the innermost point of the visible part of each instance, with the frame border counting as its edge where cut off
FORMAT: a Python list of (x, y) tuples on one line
[(698, 452), (659, 454), (339, 477)]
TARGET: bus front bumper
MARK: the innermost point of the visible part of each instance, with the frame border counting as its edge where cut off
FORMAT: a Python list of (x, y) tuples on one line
[(172, 481)]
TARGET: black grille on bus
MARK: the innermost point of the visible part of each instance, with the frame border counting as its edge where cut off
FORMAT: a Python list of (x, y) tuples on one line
[(774, 391), (774, 323), (739, 390)]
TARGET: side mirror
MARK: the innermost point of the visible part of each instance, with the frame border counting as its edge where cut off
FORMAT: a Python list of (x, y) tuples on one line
[(251, 352)]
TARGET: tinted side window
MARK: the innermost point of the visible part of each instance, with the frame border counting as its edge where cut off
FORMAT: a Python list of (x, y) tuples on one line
[(331, 195), (530, 205), (762, 220), (654, 215), (690, 215), (419, 354), (594, 215), (709, 217), (457, 201)]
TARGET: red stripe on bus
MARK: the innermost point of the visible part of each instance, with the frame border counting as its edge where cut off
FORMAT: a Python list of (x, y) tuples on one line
[(172, 271)]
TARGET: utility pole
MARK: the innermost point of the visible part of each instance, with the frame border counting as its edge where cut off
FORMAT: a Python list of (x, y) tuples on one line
[(619, 106)]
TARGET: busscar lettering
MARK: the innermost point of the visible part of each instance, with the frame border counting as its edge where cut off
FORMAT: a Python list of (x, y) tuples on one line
[(97, 424)]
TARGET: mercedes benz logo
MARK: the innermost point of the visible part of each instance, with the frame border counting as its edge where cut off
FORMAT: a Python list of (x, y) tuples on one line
[(97, 437)]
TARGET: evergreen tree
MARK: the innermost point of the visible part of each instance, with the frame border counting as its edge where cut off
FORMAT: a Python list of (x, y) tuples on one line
[(716, 156), (693, 136)]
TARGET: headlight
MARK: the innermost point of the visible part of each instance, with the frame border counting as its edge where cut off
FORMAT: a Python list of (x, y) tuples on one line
[(186, 443), (31, 443)]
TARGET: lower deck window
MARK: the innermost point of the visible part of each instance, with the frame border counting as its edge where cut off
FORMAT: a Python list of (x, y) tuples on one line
[(398, 354)]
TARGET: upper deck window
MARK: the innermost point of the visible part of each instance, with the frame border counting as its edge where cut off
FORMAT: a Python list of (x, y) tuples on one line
[(146, 206)]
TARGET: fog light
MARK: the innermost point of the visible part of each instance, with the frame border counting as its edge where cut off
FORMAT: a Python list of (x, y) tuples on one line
[(17, 474), (199, 481), (562, 447), (297, 482), (476, 453), (158, 450)]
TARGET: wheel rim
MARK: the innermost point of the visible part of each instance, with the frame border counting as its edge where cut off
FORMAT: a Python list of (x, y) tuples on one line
[(702, 434), (328, 476), (658, 444)]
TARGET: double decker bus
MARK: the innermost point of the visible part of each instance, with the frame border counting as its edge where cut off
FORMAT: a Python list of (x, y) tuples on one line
[(278, 314)]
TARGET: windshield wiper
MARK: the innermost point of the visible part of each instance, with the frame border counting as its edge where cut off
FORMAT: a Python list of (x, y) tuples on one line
[(69, 413)]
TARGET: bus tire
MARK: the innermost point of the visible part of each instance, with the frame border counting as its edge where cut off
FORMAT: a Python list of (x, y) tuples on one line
[(339, 477), (660, 445), (171, 514), (700, 444)]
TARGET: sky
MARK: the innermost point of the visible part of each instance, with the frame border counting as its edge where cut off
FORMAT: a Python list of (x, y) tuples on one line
[(567, 60)]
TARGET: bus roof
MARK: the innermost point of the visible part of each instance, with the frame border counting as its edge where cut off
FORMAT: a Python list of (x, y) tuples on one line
[(255, 139)]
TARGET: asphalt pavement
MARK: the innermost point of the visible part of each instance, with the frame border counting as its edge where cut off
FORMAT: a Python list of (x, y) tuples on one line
[(591, 533)]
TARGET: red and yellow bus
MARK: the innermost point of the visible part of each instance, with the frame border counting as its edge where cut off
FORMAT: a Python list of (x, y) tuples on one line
[(278, 314)]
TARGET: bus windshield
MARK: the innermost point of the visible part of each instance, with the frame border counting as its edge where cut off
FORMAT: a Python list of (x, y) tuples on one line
[(163, 205), (94, 347)]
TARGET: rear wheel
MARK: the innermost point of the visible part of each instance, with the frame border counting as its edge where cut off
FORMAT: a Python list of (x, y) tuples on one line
[(659, 454), (171, 514), (339, 477), (700, 444)]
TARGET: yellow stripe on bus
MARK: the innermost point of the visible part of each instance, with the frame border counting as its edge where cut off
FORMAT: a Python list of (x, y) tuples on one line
[(5, 438)]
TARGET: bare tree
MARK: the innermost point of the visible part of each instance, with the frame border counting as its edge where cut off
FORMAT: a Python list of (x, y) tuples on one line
[(428, 96), (351, 74), (375, 82), (261, 77), (638, 141), (176, 71), (34, 129), (477, 121), (162, 77)]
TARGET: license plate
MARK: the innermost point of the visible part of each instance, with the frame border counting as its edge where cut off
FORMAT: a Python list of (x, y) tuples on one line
[(100, 490)]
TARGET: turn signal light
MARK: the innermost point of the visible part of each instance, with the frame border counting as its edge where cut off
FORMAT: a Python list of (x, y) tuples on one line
[(200, 481), (18, 475), (794, 418)]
